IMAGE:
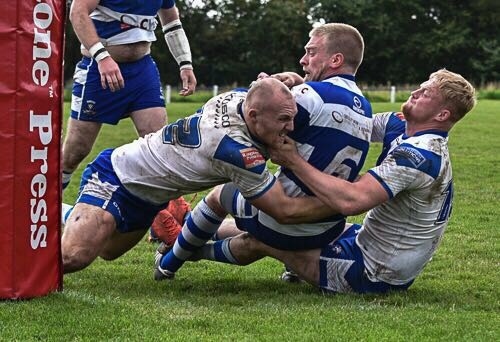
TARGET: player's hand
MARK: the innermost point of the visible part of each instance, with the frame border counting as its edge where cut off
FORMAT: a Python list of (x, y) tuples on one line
[(290, 79), (188, 82), (110, 74), (262, 75), (284, 152)]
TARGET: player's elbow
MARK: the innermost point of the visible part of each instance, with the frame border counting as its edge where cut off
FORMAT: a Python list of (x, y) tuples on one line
[(350, 209)]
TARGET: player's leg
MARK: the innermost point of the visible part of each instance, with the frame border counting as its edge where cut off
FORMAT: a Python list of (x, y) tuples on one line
[(304, 263), (228, 228), (245, 249), (120, 243), (85, 234), (147, 105), (149, 120), (199, 228), (78, 142)]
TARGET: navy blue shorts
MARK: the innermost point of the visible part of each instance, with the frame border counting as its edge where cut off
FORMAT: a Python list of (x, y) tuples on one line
[(101, 187), (89, 102), (341, 268)]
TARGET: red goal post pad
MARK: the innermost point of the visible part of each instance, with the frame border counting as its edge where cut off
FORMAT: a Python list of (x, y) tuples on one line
[(31, 73)]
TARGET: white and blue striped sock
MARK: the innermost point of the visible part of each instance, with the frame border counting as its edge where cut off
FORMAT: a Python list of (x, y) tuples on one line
[(216, 251), (199, 228)]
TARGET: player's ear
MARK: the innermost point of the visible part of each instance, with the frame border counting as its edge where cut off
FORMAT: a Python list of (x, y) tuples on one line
[(252, 114), (337, 60), (443, 115)]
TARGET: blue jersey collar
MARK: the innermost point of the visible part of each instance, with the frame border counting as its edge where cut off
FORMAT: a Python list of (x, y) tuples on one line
[(444, 134), (349, 77)]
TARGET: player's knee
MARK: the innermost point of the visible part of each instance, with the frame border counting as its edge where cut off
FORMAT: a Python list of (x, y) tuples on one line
[(76, 260), (72, 156), (226, 196), (248, 249), (251, 243), (110, 255), (213, 201)]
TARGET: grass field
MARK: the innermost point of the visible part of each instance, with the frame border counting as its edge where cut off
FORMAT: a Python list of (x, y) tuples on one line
[(456, 298)]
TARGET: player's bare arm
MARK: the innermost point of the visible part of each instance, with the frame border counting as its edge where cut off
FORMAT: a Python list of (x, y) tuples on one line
[(340, 195), (288, 210), (86, 33)]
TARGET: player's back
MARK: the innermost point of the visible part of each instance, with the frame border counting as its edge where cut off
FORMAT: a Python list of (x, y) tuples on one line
[(183, 157), (332, 130)]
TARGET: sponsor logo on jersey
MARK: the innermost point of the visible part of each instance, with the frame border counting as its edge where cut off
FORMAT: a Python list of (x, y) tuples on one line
[(357, 105), (337, 116), (252, 157), (410, 154)]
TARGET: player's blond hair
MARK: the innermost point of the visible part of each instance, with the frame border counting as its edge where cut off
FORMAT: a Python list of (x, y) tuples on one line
[(458, 94), (344, 39)]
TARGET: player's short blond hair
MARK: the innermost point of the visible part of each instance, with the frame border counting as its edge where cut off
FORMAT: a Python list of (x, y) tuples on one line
[(344, 39), (458, 94)]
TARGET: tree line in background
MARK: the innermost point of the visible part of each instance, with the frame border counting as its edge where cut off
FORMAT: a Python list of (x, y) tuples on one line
[(233, 40)]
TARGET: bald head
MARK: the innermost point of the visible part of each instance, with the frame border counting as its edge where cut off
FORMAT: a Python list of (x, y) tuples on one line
[(269, 110), (267, 92)]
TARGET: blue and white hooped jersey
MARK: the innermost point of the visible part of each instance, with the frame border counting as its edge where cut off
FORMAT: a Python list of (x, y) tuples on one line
[(333, 127), (400, 236), (127, 21), (195, 153)]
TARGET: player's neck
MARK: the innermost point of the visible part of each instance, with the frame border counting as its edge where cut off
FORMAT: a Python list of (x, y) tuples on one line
[(414, 128)]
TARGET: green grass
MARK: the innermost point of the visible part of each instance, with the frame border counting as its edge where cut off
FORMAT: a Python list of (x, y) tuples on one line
[(456, 298)]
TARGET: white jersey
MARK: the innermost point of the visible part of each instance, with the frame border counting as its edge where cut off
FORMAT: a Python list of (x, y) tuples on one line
[(196, 153), (332, 130), (400, 236)]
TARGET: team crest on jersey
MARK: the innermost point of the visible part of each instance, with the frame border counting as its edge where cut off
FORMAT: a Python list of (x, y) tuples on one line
[(90, 108), (251, 157)]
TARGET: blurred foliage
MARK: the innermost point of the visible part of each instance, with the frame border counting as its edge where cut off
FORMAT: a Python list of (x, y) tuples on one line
[(233, 40)]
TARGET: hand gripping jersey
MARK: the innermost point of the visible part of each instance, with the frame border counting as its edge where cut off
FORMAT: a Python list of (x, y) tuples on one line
[(196, 153), (400, 236), (127, 21), (332, 130)]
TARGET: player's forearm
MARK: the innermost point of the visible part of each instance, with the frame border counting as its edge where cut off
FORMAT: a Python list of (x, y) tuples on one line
[(83, 26), (336, 193), (305, 210)]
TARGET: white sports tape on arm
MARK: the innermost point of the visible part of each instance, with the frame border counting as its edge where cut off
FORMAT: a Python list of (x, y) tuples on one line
[(178, 43), (98, 51)]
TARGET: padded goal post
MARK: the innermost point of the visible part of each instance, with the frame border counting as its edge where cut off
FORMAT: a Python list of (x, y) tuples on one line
[(31, 74)]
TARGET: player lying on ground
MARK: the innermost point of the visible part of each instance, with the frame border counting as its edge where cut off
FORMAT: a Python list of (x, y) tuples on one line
[(124, 188), (408, 196)]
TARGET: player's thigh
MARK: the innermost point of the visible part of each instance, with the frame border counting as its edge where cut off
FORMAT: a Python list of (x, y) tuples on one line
[(87, 228), (81, 134), (119, 243), (149, 120)]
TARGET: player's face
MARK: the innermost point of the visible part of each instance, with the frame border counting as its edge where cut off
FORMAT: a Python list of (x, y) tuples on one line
[(315, 61), (273, 124), (423, 103)]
